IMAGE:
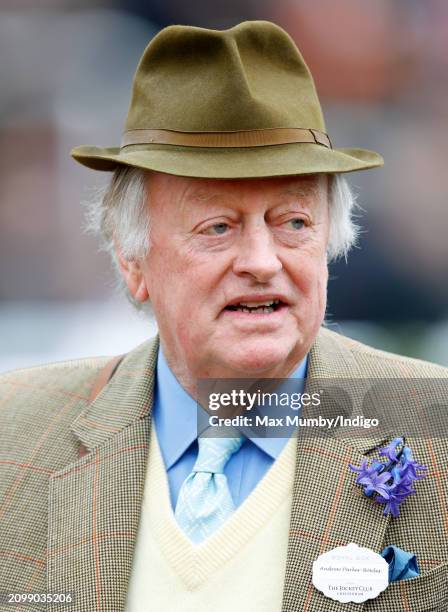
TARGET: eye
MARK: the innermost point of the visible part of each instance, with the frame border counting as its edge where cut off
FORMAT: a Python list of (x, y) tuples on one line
[(296, 223), (217, 229)]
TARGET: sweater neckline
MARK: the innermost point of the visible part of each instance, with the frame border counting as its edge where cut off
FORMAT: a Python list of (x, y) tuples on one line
[(195, 563)]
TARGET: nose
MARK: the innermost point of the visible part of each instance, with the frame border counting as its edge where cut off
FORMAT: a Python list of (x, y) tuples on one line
[(257, 256)]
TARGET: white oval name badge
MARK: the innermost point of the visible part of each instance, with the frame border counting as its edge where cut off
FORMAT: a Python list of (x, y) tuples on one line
[(351, 573)]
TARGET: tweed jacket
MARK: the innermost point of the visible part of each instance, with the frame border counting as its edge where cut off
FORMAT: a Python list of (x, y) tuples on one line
[(69, 523)]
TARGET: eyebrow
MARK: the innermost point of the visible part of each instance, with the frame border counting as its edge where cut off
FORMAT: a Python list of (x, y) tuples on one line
[(300, 190), (201, 196)]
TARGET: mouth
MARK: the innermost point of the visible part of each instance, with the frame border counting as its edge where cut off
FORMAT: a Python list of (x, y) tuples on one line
[(257, 307)]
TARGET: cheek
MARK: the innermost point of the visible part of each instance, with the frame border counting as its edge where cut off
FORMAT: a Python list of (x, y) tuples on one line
[(320, 275), (315, 299), (310, 278), (322, 289), (164, 267), (161, 280), (310, 275), (181, 286)]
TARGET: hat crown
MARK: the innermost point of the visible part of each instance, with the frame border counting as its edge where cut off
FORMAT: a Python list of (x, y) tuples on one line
[(237, 103), (249, 77)]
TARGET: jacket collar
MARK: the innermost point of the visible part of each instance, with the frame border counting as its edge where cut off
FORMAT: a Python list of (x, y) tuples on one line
[(125, 400), (129, 396), (345, 389)]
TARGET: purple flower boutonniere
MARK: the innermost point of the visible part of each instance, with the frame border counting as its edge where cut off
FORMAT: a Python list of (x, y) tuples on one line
[(390, 481)]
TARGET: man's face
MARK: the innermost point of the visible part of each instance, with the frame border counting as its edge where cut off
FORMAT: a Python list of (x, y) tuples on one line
[(237, 272)]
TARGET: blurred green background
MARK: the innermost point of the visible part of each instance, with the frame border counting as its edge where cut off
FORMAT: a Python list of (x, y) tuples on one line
[(66, 71)]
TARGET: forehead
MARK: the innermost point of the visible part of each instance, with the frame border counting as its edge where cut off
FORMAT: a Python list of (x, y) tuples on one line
[(186, 190), (285, 185)]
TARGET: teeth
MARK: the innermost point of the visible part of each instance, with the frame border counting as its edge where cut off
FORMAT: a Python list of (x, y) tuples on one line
[(257, 304), (255, 307), (265, 309)]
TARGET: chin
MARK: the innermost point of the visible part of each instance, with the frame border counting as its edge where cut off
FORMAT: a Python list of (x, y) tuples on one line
[(255, 361)]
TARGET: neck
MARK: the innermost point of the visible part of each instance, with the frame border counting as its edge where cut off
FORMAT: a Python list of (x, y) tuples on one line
[(188, 379)]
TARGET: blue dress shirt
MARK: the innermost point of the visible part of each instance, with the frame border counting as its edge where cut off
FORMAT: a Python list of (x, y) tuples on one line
[(175, 420)]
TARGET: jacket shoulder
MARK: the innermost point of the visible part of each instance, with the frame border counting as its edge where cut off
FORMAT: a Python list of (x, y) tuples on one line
[(71, 376), (39, 403), (375, 362)]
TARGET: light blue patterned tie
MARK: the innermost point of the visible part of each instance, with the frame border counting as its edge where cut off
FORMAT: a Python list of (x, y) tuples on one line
[(204, 500)]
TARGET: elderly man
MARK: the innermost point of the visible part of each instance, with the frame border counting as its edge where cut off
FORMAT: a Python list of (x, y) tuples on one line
[(226, 203)]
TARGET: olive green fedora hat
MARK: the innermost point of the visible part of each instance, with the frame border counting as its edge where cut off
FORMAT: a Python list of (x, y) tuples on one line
[(236, 103)]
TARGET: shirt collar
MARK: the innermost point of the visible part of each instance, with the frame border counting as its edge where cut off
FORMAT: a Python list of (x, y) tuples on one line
[(175, 414)]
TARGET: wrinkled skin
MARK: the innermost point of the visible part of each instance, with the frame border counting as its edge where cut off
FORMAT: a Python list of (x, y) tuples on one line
[(214, 242)]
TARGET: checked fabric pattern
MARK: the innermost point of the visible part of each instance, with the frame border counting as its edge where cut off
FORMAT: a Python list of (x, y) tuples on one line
[(204, 500), (70, 523)]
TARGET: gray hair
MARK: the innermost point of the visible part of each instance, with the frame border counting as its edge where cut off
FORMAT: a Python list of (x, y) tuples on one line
[(119, 214)]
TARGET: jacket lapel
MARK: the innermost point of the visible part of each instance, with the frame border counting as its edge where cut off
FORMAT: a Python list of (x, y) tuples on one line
[(94, 502), (328, 509)]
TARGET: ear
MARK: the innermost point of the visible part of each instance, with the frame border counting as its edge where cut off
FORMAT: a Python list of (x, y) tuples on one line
[(133, 277)]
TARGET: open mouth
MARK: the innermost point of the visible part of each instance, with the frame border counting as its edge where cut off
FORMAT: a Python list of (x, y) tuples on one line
[(257, 307)]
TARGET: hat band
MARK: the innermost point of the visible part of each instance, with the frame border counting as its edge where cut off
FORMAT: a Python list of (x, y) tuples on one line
[(245, 138)]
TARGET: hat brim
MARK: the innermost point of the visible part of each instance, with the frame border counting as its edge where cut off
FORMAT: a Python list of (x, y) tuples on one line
[(230, 163)]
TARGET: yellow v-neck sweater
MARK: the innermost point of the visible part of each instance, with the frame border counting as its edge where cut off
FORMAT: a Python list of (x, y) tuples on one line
[(241, 567)]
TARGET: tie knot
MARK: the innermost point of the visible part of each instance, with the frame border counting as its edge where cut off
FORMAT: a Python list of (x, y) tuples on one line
[(215, 452)]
